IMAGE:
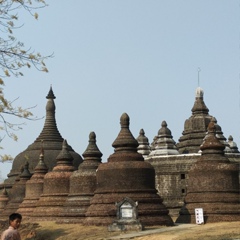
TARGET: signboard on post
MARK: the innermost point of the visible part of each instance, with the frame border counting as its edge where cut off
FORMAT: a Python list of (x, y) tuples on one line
[(199, 216)]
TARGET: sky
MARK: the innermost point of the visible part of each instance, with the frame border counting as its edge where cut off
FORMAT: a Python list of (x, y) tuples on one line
[(142, 57)]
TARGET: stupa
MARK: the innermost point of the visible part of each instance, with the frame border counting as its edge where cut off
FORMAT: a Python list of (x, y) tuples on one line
[(52, 146), (82, 184), (163, 143), (34, 188), (195, 127), (55, 187), (126, 174), (17, 192), (143, 144), (213, 184)]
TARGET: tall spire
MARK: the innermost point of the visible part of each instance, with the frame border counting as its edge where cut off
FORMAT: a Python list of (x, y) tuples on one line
[(50, 131), (195, 127)]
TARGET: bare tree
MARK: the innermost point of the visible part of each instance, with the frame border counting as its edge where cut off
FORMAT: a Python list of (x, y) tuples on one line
[(14, 57)]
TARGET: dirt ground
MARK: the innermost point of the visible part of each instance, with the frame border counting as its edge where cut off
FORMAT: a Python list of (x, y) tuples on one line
[(54, 231)]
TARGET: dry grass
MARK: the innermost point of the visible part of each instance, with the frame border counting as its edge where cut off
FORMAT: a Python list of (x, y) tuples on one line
[(54, 231)]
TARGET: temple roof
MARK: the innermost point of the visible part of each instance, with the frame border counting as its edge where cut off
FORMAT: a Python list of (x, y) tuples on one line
[(195, 127)]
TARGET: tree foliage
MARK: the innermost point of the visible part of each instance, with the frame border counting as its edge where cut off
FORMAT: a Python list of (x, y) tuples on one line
[(14, 57)]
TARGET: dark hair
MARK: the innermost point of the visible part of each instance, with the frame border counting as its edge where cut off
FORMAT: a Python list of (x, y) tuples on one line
[(14, 216)]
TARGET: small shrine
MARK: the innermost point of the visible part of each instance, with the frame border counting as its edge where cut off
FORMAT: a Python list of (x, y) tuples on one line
[(127, 217)]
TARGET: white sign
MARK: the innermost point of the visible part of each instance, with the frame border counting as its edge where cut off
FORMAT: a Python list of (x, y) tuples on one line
[(199, 216), (127, 213), (126, 210)]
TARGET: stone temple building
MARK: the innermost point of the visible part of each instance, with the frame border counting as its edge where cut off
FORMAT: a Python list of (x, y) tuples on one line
[(158, 176), (172, 161)]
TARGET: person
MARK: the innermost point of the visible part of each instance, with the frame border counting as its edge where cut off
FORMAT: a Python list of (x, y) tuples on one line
[(12, 232)]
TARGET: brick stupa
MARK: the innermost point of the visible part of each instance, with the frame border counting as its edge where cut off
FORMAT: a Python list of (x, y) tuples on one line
[(52, 146), (34, 188), (82, 184), (195, 127), (17, 192), (126, 174), (55, 187), (213, 184)]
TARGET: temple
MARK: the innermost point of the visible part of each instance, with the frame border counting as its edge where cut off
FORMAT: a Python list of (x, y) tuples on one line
[(50, 180)]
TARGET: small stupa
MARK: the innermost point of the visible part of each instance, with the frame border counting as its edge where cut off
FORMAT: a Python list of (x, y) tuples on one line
[(17, 192), (82, 184), (34, 188), (163, 143), (220, 136), (126, 174), (212, 185), (143, 147), (55, 187), (52, 146)]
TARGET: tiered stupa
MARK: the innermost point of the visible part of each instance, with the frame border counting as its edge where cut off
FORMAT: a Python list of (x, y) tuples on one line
[(17, 192), (170, 172), (52, 146), (195, 127), (213, 184), (82, 184), (143, 147), (34, 188), (126, 174), (55, 187), (163, 143)]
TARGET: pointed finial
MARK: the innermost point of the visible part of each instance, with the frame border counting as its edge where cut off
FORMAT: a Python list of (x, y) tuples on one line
[(125, 139), (64, 156), (164, 124), (124, 120), (142, 138), (92, 150), (25, 173), (50, 94)]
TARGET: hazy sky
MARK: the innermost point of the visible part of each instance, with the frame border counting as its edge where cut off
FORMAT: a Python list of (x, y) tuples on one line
[(139, 57)]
